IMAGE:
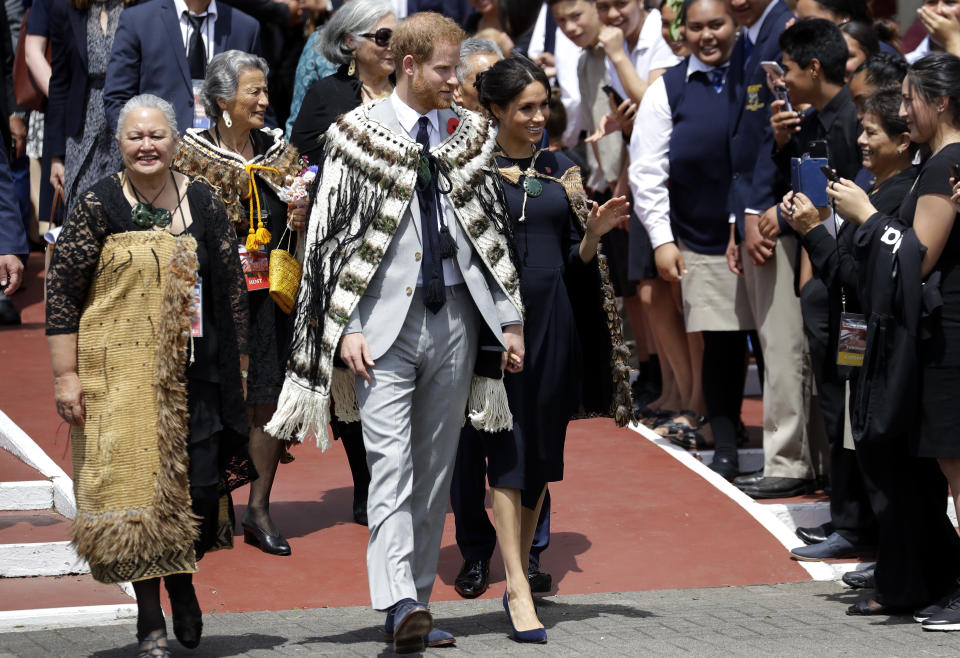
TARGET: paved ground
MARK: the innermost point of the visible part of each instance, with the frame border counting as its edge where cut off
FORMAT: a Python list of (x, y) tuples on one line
[(796, 619)]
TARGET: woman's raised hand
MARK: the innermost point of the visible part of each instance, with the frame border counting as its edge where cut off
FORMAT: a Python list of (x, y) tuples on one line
[(850, 200), (603, 218)]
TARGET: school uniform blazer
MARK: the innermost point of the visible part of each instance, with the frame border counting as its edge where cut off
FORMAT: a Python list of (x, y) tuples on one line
[(149, 56), (751, 138)]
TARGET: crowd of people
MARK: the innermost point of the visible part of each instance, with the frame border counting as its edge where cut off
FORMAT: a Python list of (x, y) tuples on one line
[(477, 192)]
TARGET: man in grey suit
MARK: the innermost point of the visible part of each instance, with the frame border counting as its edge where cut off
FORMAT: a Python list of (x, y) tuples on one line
[(412, 340)]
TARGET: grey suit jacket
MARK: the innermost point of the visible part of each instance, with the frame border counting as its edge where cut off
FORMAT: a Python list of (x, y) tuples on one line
[(383, 307)]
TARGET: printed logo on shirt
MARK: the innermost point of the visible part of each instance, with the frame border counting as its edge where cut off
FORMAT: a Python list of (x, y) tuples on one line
[(753, 98)]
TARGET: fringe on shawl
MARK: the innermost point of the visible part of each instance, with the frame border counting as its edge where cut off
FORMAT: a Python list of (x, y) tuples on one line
[(302, 412), (169, 524), (488, 408), (344, 392)]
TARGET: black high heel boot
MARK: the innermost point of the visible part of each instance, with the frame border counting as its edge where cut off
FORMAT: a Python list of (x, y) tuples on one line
[(187, 616)]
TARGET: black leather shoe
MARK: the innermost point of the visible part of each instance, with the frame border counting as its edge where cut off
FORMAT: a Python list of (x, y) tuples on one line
[(816, 534), (748, 479), (778, 488), (863, 579), (473, 579), (256, 536), (9, 314), (540, 582), (727, 467)]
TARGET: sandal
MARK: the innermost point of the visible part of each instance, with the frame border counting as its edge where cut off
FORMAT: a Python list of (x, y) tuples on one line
[(863, 608), (151, 647), (697, 418), (656, 416), (690, 440)]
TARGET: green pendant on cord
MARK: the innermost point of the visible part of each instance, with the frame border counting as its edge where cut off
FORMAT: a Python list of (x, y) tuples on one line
[(424, 172), (146, 215), (532, 186)]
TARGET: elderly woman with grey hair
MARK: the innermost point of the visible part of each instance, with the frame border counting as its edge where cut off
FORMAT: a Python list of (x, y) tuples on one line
[(147, 324), (249, 166), (357, 40)]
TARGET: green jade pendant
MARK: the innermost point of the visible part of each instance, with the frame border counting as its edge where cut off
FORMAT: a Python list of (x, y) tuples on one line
[(423, 172), (532, 186), (146, 215)]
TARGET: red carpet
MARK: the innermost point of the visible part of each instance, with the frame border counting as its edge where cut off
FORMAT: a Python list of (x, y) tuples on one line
[(627, 516)]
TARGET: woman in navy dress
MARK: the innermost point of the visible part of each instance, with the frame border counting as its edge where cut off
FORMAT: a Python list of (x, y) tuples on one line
[(555, 243)]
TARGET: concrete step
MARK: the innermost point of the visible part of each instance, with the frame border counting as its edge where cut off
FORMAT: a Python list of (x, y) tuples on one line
[(29, 603)]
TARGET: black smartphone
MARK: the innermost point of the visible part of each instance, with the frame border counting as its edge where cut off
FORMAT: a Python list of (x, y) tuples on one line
[(610, 91), (780, 91), (955, 172), (830, 174)]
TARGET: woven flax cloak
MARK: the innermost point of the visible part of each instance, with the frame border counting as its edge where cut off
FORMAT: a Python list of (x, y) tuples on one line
[(134, 518), (365, 187)]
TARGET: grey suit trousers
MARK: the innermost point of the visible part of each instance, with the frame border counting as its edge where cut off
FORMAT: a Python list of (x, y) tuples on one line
[(412, 411)]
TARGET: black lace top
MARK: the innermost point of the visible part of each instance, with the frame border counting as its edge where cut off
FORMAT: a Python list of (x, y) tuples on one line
[(103, 210)]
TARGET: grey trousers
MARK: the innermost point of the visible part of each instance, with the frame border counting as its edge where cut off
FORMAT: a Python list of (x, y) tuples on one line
[(412, 411)]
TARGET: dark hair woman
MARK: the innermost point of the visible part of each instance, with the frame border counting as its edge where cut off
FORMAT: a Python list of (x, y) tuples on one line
[(147, 327), (76, 135), (556, 238), (931, 109), (862, 42), (679, 175)]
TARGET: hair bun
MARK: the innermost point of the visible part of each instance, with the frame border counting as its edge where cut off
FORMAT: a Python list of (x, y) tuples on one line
[(478, 83)]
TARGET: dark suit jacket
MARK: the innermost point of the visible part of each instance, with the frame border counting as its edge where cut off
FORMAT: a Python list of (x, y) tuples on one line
[(68, 80), (324, 101), (149, 56), (751, 138), (13, 236)]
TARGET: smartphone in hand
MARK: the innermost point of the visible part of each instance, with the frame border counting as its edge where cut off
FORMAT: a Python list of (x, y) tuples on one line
[(780, 91), (610, 91), (830, 174)]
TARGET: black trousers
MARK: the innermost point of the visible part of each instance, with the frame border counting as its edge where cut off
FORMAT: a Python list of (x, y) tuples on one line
[(476, 536), (724, 375), (918, 549)]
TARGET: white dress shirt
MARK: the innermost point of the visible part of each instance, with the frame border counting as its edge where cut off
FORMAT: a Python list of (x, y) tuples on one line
[(207, 27), (650, 158), (566, 54), (409, 120), (651, 53), (923, 48)]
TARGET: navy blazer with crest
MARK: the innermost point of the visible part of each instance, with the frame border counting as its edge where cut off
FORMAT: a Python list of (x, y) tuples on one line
[(751, 137), (149, 56)]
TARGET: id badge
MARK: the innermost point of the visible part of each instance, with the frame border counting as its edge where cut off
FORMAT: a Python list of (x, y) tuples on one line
[(200, 119), (256, 267), (853, 340), (196, 322)]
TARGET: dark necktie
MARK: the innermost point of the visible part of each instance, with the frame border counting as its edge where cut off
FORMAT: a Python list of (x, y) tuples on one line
[(197, 52), (428, 197), (716, 79), (747, 49)]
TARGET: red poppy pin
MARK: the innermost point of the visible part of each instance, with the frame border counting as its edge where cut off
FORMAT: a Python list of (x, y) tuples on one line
[(549, 170), (452, 125)]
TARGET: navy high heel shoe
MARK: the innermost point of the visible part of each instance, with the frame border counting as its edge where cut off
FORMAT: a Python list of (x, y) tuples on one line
[(533, 636)]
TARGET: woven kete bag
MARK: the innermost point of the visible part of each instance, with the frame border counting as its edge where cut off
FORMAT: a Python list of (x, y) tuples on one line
[(285, 271)]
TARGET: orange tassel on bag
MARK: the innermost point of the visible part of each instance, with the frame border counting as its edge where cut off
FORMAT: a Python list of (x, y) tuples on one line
[(259, 235)]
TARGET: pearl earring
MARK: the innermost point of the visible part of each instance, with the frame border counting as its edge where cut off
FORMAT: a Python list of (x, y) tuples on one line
[(227, 121)]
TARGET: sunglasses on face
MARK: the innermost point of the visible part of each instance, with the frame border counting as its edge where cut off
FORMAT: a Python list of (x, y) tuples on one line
[(381, 37)]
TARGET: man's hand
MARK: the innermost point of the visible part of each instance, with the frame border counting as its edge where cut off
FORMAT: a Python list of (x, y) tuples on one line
[(57, 173), (68, 393), (769, 226), (512, 359), (669, 262), (356, 354), (547, 62), (784, 123), (759, 248), (11, 273)]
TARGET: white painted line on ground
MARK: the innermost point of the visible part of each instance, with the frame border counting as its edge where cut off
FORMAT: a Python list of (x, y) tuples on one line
[(16, 621), (53, 558), (759, 511), (21, 496), (15, 440)]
